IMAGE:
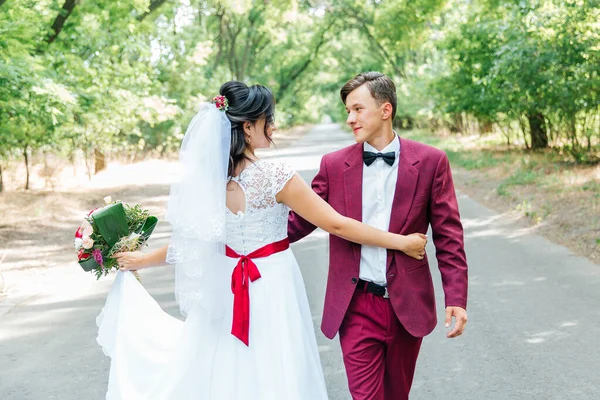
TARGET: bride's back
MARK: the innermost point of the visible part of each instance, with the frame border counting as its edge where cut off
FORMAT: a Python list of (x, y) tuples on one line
[(254, 218)]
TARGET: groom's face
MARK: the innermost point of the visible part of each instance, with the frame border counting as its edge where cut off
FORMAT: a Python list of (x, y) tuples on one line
[(365, 116)]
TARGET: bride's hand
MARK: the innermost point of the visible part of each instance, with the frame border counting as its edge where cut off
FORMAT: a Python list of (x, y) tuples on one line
[(131, 260), (413, 245)]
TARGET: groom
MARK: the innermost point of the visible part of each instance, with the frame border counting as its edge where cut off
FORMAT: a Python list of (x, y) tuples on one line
[(382, 302)]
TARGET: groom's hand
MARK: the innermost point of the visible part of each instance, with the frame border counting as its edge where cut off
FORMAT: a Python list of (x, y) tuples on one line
[(460, 314)]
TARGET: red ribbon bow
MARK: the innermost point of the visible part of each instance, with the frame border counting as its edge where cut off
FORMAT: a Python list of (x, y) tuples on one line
[(245, 272)]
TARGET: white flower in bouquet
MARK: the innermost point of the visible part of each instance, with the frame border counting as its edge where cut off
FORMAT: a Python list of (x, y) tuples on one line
[(88, 242), (78, 243), (86, 229)]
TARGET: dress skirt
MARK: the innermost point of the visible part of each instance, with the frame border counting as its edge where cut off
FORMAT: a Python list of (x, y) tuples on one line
[(155, 356)]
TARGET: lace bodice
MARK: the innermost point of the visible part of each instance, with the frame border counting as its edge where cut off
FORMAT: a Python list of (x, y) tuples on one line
[(264, 220)]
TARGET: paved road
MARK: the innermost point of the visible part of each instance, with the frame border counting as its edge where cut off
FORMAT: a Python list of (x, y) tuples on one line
[(533, 331)]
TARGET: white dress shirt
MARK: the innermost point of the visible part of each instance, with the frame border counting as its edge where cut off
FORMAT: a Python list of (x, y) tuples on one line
[(378, 188)]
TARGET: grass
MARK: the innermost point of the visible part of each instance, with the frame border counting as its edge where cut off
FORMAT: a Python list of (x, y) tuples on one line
[(541, 185), (464, 152), (592, 186), (519, 177), (550, 169)]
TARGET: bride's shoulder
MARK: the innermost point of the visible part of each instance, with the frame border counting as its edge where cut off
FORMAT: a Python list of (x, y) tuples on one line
[(277, 172), (275, 166)]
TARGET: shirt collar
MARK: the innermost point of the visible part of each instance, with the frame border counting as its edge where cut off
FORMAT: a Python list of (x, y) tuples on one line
[(393, 146)]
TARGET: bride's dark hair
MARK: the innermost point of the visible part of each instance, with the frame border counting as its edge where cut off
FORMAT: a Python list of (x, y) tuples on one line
[(246, 104)]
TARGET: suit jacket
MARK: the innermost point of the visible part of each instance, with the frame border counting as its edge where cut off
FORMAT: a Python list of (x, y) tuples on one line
[(424, 195)]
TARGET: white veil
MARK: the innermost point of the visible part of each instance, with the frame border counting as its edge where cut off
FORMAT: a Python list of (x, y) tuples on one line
[(197, 210)]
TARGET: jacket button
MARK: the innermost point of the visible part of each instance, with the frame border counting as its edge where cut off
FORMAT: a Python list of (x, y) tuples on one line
[(354, 280)]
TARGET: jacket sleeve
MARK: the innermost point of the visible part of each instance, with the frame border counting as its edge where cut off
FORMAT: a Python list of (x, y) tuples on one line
[(448, 236), (298, 227)]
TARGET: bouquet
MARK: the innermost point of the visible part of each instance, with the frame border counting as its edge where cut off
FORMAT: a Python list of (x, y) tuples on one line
[(108, 230)]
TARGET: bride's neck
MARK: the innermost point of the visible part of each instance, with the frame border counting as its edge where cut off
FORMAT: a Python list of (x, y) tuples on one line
[(242, 166), (250, 154)]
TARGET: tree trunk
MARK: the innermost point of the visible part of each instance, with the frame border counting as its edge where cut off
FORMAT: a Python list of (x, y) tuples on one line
[(505, 134), (46, 171), (60, 20), (459, 125), (537, 130), (573, 133), (467, 125), (485, 126), (154, 4), (86, 160), (297, 71), (71, 158), (1, 180), (99, 161), (364, 26), (2, 281), (26, 156)]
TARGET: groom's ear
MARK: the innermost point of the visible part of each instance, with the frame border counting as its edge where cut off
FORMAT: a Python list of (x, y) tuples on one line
[(386, 111)]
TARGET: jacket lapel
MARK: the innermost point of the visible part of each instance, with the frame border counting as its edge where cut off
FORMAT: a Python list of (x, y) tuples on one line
[(353, 177), (406, 186)]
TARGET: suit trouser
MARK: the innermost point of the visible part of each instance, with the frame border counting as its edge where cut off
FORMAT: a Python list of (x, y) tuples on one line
[(379, 354)]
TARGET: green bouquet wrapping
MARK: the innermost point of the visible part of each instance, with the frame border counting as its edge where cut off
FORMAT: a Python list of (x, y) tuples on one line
[(108, 230)]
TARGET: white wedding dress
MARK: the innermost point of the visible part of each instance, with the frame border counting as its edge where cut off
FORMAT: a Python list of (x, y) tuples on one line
[(156, 356)]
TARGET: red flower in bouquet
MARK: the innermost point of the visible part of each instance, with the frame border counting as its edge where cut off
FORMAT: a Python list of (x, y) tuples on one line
[(82, 255)]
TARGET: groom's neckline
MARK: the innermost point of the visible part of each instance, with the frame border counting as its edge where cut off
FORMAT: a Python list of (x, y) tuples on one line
[(393, 145)]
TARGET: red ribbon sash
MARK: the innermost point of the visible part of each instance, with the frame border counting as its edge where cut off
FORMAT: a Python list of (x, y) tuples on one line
[(245, 272)]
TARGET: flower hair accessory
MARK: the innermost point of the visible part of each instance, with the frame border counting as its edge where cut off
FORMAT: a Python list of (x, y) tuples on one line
[(220, 102)]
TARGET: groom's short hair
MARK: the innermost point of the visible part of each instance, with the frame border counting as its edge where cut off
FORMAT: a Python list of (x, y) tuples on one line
[(382, 88)]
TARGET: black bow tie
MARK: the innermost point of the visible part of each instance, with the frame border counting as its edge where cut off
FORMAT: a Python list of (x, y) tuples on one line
[(369, 157)]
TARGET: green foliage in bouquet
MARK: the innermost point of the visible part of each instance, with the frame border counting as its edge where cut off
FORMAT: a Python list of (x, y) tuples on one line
[(114, 228)]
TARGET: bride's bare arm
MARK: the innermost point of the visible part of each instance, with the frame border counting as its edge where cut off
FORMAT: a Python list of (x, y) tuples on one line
[(297, 195), (137, 260)]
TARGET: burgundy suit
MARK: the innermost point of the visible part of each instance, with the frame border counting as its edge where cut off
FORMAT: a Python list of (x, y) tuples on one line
[(424, 195)]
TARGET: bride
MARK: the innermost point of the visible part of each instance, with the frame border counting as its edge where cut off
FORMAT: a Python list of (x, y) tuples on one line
[(248, 332)]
